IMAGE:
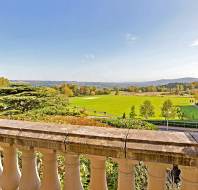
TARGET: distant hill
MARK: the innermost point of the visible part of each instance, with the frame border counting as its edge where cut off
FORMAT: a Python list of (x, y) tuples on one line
[(110, 84), (166, 81)]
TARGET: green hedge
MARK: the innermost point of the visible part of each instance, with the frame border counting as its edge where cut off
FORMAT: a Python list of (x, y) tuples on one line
[(129, 123)]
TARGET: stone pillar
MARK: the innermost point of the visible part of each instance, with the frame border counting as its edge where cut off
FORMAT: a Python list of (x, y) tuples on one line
[(98, 173), (156, 176), (29, 179), (72, 172), (189, 178), (11, 174), (50, 179), (126, 177)]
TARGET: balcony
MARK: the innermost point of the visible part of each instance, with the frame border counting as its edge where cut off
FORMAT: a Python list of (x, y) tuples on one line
[(158, 150)]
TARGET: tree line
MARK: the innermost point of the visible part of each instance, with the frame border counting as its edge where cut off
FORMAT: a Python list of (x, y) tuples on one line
[(70, 90), (168, 110), (171, 88), (75, 90)]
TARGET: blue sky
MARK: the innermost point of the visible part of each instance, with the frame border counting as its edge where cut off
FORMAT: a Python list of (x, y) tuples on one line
[(98, 40)]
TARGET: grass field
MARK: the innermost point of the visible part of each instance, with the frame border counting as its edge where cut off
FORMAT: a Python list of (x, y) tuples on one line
[(116, 105), (191, 112)]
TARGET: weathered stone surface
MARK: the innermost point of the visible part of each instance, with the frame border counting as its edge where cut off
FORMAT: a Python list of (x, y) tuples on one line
[(152, 146), (33, 134), (100, 147), (161, 137), (161, 146), (33, 126), (73, 138), (97, 141)]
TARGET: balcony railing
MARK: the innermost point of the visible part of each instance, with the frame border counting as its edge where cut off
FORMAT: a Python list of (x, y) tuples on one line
[(157, 149)]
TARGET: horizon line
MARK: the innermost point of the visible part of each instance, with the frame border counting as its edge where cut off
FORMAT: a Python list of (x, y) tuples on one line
[(104, 81)]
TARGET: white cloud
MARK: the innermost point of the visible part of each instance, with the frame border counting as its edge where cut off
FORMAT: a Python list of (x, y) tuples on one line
[(194, 43), (87, 58), (130, 37)]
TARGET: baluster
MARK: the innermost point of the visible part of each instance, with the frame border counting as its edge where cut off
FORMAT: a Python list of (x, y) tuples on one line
[(50, 171), (1, 167), (1, 170), (11, 174), (29, 179), (189, 177), (126, 177), (72, 172), (157, 176), (98, 173)]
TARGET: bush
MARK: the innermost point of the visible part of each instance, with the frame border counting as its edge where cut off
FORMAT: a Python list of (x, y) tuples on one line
[(112, 174), (2, 106), (57, 110), (15, 90), (141, 176), (129, 123), (22, 104)]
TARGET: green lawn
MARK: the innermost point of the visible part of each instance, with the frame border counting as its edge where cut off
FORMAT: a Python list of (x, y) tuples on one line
[(116, 105), (191, 112)]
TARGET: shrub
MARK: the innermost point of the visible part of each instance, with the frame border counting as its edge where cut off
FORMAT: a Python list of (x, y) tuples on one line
[(2, 106), (129, 123), (21, 103), (15, 90)]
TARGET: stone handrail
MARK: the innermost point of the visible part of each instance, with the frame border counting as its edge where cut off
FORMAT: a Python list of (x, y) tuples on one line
[(158, 149)]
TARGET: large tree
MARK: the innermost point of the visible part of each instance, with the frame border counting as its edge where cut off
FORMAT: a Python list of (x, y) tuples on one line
[(168, 110), (180, 113), (117, 92), (147, 109), (196, 96), (64, 89), (4, 82), (132, 113)]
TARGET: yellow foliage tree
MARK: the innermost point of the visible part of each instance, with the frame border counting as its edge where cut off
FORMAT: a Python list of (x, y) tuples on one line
[(4, 82), (196, 96), (67, 91)]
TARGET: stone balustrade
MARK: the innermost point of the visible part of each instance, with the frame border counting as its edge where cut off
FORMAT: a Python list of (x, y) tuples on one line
[(157, 149)]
